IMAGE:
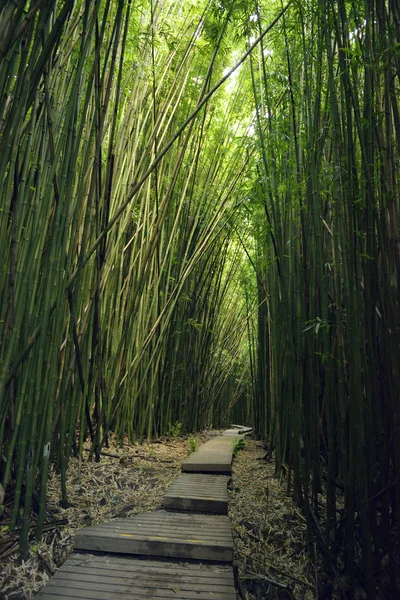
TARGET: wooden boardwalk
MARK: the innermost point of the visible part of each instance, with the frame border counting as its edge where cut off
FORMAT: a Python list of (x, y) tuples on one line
[(157, 554), (215, 456), (161, 533), (129, 578), (197, 492)]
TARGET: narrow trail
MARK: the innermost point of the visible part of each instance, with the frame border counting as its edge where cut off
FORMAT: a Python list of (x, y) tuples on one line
[(158, 554)]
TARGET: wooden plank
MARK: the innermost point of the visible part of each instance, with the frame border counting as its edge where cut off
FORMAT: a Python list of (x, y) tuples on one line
[(73, 594), (198, 492), (118, 587), (67, 592), (161, 533), (107, 577), (98, 580), (142, 525), (193, 549), (215, 456), (115, 563), (242, 428)]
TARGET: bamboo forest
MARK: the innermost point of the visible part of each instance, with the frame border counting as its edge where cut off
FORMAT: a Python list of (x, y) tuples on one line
[(199, 226)]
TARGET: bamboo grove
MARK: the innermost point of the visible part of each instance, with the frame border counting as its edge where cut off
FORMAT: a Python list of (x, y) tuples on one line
[(119, 287), (327, 262), (187, 242)]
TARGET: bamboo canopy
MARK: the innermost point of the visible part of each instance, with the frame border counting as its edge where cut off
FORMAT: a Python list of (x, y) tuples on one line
[(200, 223)]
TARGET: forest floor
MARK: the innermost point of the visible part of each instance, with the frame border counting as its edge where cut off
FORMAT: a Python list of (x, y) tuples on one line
[(269, 530)]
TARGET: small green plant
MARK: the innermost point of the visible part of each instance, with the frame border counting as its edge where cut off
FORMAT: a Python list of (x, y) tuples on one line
[(192, 444), (175, 429), (238, 445)]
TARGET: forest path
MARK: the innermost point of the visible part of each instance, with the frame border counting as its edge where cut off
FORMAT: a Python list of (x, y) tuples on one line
[(140, 557)]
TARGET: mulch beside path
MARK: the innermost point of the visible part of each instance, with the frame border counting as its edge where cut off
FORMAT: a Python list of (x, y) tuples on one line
[(269, 531)]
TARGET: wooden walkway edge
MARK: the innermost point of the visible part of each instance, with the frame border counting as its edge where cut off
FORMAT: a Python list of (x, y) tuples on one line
[(141, 556)]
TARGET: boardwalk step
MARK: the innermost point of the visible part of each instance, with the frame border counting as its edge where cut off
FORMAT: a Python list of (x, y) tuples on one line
[(215, 456), (161, 533), (114, 577), (198, 492), (236, 432), (242, 429)]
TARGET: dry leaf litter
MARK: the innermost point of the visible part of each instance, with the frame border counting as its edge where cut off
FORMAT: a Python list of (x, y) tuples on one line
[(269, 531)]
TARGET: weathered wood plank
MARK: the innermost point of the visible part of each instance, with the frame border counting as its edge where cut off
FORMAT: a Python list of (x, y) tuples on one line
[(198, 492), (72, 594), (116, 563), (215, 456), (160, 533), (106, 577), (242, 428)]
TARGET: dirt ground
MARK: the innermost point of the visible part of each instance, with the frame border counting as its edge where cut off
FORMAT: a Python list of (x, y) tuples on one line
[(269, 531)]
